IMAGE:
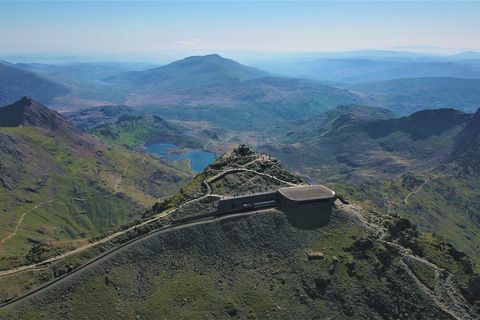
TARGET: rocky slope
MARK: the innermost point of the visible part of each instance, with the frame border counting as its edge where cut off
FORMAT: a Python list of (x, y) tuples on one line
[(445, 199), (89, 118), (59, 187), (375, 265), (357, 143)]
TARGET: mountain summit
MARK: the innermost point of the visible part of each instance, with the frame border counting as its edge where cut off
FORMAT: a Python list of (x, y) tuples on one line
[(28, 112)]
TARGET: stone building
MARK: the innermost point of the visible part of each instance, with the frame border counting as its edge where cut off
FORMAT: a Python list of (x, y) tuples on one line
[(303, 201)]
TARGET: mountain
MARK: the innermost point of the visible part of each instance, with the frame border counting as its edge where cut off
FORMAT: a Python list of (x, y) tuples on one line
[(244, 105), (27, 112), (60, 187), (16, 83), (192, 72), (224, 92), (200, 88), (357, 264), (342, 145), (405, 96), (445, 199)]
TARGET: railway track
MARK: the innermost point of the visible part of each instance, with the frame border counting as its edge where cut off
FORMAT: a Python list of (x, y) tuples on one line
[(168, 228)]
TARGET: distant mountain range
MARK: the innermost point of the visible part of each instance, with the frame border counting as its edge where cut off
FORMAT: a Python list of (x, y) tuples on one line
[(59, 187), (360, 70), (227, 93), (405, 96)]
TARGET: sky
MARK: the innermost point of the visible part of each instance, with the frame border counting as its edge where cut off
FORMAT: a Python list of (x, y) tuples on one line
[(145, 30)]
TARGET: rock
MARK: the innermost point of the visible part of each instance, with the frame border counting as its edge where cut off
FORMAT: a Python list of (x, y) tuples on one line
[(315, 255), (232, 312)]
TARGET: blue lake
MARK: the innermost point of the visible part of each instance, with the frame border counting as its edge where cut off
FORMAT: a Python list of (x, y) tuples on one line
[(198, 159)]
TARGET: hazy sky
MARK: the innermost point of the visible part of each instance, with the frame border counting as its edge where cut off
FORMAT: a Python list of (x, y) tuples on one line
[(136, 28)]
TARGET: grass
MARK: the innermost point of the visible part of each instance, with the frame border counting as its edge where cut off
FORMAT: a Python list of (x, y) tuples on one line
[(92, 188)]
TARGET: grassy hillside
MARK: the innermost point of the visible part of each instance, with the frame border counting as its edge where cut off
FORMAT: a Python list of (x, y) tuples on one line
[(136, 131), (58, 188), (257, 267)]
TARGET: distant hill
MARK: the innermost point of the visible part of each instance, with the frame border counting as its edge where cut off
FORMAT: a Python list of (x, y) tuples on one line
[(329, 121), (60, 187), (193, 71), (405, 96), (360, 70), (16, 83), (363, 143)]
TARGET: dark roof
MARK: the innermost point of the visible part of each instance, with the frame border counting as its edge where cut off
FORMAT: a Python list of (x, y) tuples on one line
[(303, 193), (249, 195)]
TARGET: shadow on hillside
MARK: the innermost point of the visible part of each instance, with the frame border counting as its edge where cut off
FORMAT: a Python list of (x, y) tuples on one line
[(303, 219)]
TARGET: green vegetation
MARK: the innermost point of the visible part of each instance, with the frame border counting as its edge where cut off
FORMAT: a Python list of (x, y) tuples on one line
[(133, 132), (58, 188), (257, 268)]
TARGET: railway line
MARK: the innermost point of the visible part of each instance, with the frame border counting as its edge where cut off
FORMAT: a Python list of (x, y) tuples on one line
[(181, 224)]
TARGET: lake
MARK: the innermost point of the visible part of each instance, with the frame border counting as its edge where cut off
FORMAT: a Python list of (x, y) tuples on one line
[(198, 159)]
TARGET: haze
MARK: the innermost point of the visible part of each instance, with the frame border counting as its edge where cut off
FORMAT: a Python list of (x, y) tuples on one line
[(164, 30)]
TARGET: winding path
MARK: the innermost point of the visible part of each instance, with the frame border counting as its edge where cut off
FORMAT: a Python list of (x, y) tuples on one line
[(153, 219), (446, 295), (22, 217)]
